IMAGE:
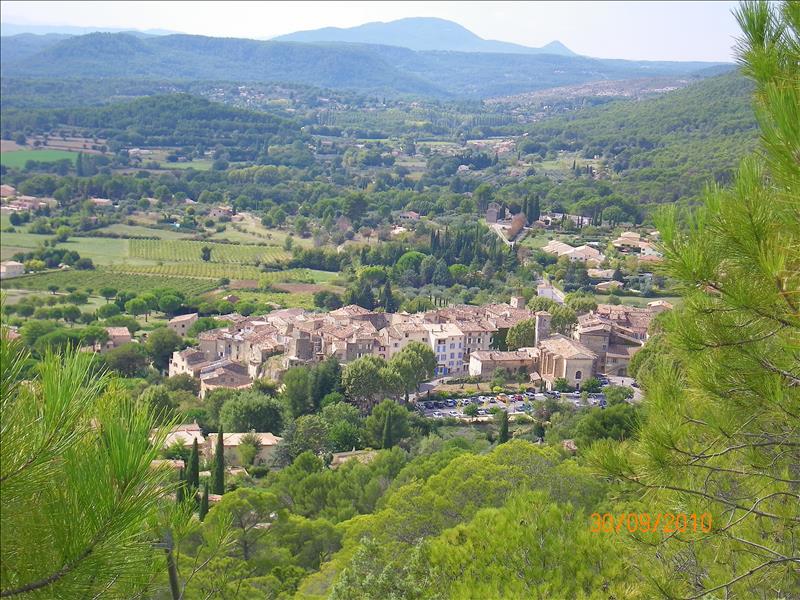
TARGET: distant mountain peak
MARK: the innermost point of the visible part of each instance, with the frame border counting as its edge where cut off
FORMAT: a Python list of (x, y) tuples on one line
[(421, 34)]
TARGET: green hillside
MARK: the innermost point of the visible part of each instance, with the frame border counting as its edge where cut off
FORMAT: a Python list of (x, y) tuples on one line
[(660, 149)]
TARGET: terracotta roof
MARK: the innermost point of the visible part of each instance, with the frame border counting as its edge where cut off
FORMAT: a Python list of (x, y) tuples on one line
[(566, 348), (234, 439), (181, 318), (118, 331)]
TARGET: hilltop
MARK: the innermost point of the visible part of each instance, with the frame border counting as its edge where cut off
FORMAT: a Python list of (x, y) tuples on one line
[(420, 33)]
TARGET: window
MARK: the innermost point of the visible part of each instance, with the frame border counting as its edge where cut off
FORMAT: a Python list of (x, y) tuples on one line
[(578, 374), (452, 346), (452, 355)]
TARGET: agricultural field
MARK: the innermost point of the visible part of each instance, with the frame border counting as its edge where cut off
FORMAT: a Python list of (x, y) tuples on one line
[(189, 251), (142, 231), (18, 158), (101, 277), (214, 271)]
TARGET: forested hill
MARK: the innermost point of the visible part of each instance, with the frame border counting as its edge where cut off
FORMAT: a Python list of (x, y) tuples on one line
[(374, 68), (664, 148), (167, 120)]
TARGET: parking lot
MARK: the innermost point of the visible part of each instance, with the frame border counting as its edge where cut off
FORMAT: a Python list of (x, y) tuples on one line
[(512, 403)]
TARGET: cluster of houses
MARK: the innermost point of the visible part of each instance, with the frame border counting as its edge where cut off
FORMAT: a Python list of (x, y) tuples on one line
[(461, 337), (13, 202), (604, 341), (631, 243), (586, 254)]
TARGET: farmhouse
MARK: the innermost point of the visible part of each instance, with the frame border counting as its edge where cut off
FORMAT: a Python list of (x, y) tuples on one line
[(11, 268), (267, 445), (182, 323)]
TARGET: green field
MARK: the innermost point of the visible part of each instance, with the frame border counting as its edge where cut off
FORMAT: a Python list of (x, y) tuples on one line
[(215, 271), (99, 278), (142, 231), (18, 158), (200, 165), (189, 251)]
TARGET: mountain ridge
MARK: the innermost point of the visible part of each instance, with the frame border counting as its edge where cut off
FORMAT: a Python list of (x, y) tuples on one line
[(369, 68), (420, 34)]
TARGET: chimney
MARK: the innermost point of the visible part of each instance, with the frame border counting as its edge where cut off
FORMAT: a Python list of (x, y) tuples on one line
[(542, 326)]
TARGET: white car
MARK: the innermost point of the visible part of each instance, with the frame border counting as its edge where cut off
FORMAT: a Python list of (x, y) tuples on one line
[(437, 414), (453, 413), (577, 402)]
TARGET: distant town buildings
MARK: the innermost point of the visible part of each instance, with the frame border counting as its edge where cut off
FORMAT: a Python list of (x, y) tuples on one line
[(461, 337)]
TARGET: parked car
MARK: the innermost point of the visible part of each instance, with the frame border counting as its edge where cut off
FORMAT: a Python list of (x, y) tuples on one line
[(519, 398), (437, 414), (429, 405), (492, 401), (453, 413)]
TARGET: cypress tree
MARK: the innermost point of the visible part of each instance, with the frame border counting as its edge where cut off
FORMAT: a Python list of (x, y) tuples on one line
[(219, 465), (204, 502), (179, 489), (193, 469), (387, 432), (503, 437), (536, 210)]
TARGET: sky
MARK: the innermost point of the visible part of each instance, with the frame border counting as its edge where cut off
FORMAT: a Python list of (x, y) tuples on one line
[(630, 30)]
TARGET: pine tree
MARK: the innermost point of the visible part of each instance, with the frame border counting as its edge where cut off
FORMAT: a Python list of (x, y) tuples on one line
[(204, 502), (219, 465), (193, 469), (503, 437), (387, 432), (727, 358)]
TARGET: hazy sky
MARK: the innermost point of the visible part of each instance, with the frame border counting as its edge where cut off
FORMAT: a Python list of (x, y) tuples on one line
[(633, 30)]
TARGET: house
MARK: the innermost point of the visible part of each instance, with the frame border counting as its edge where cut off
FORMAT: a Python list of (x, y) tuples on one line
[(659, 306), (182, 323), (102, 202), (190, 362), (7, 191), (117, 336), (607, 286), (186, 435), (224, 374), (484, 363), (268, 444), (408, 215), (614, 344), (11, 268)]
